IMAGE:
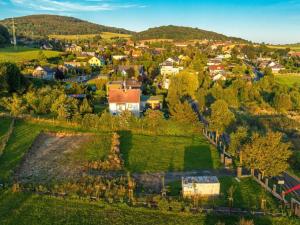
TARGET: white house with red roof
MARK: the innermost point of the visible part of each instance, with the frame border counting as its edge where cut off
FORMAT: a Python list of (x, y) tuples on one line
[(216, 69), (124, 100)]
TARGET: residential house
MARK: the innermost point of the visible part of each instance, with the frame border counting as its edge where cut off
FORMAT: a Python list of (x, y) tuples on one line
[(152, 102), (202, 186), (130, 70), (274, 66), (127, 84), (218, 76), (96, 62), (119, 57), (73, 48), (214, 61), (44, 73), (72, 65), (216, 69), (121, 100)]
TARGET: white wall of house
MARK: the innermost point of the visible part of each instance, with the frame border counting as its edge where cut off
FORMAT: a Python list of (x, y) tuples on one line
[(170, 70), (117, 108)]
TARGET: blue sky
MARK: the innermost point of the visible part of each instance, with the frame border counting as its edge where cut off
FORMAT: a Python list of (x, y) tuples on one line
[(270, 21)]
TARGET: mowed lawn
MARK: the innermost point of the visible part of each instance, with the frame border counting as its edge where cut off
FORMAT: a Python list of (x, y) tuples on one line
[(4, 126), (167, 153), (25, 208), (289, 79), (21, 54)]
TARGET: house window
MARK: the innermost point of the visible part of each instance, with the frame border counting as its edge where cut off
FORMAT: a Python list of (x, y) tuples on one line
[(130, 106)]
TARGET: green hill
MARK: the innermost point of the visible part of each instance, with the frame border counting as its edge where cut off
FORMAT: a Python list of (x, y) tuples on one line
[(44, 25), (181, 33)]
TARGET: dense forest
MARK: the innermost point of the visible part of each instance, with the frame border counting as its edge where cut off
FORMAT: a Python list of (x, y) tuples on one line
[(4, 35), (44, 25), (181, 33)]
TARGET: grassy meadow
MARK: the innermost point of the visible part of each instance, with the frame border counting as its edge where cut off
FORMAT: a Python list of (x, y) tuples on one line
[(165, 153), (5, 122), (288, 79), (21, 54)]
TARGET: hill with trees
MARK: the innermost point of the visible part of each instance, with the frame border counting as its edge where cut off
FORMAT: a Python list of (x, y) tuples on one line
[(44, 25), (181, 33)]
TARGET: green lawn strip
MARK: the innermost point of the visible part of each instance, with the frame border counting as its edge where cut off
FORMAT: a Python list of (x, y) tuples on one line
[(20, 208), (4, 126), (144, 153)]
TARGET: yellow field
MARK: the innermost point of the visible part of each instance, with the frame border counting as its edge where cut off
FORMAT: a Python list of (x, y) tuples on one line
[(104, 35), (294, 48)]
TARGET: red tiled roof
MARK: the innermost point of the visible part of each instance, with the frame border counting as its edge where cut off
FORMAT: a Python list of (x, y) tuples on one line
[(124, 96), (216, 67)]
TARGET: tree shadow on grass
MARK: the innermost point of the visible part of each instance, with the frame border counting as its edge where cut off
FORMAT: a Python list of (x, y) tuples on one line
[(197, 157), (126, 146)]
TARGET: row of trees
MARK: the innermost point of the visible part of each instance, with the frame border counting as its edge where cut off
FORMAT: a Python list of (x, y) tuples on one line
[(47, 100)]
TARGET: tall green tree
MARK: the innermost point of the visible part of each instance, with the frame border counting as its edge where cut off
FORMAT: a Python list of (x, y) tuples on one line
[(15, 105), (221, 116), (267, 153), (10, 77)]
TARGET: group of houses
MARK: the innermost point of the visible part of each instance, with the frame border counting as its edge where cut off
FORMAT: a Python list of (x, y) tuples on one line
[(216, 68), (269, 63)]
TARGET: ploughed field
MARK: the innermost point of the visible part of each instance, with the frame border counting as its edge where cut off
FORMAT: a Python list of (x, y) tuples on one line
[(60, 156)]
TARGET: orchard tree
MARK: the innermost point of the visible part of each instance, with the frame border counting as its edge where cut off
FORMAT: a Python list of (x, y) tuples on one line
[(221, 116), (15, 105), (153, 119), (184, 113), (282, 102), (237, 140), (85, 107), (267, 153), (65, 107)]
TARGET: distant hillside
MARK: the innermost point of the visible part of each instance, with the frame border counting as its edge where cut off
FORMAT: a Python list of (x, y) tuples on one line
[(181, 33), (44, 25)]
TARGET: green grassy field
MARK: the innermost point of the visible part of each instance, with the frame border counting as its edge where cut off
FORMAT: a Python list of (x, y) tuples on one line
[(4, 122), (21, 208), (162, 153), (288, 79), (23, 54)]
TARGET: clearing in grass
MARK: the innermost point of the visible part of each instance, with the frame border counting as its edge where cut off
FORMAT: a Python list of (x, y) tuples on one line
[(61, 156)]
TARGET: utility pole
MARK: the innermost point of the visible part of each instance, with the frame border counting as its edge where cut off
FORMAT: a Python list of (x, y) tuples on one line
[(14, 33)]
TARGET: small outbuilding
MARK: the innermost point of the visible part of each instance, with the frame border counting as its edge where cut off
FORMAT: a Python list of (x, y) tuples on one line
[(200, 186)]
